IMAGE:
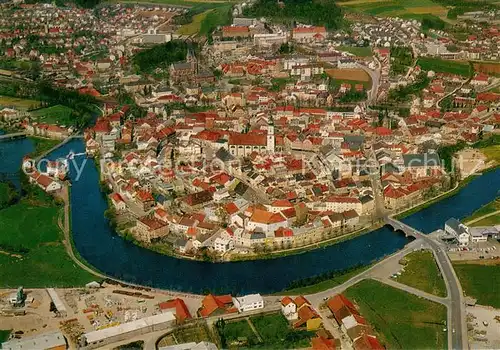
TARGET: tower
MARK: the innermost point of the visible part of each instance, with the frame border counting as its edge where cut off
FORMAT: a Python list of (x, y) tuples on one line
[(270, 136)]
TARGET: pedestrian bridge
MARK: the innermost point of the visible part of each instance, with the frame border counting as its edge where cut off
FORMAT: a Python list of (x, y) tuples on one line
[(401, 226)]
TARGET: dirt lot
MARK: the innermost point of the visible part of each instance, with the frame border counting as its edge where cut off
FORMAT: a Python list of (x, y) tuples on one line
[(348, 74), (485, 330)]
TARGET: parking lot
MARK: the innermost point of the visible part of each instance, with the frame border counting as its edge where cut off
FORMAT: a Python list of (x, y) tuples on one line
[(484, 250)]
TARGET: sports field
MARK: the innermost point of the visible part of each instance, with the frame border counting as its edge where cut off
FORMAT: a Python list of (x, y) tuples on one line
[(388, 8)]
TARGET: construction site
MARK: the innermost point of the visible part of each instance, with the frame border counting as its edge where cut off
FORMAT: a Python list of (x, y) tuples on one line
[(79, 311)]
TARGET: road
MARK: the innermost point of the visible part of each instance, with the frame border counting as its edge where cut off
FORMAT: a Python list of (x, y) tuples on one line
[(457, 338), (375, 76), (379, 270), (453, 92), (497, 212)]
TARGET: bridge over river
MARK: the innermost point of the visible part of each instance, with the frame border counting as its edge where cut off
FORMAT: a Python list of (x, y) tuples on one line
[(456, 308)]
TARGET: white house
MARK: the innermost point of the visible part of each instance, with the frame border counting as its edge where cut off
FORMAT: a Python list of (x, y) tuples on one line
[(223, 245), (458, 230), (289, 309), (248, 302)]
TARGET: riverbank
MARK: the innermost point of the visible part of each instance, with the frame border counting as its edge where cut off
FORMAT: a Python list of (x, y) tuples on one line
[(444, 195), (103, 249), (310, 247)]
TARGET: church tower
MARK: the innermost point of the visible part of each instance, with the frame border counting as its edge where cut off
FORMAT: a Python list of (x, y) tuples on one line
[(270, 136)]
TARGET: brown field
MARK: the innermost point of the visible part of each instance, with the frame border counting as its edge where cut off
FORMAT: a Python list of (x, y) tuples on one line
[(354, 74), (487, 67), (435, 10)]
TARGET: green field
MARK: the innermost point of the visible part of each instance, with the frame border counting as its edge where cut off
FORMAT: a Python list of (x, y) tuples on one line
[(327, 284), (38, 258), (358, 51), (57, 114), (42, 145), (205, 22), (480, 282), (389, 8), (421, 272), (276, 333), (492, 153), (402, 320), (19, 103), (193, 27), (235, 331), (445, 66), (484, 210)]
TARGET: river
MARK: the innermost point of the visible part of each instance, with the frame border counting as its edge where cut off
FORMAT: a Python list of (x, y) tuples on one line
[(102, 248)]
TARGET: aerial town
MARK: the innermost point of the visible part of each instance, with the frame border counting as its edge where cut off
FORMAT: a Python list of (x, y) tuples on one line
[(224, 136)]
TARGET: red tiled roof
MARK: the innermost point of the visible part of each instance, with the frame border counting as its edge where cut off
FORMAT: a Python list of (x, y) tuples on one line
[(181, 310), (341, 307), (322, 343), (211, 303)]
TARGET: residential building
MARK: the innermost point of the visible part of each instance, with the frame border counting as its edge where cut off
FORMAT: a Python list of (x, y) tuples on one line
[(248, 302)]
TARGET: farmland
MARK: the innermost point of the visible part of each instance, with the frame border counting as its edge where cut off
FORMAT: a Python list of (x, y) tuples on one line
[(349, 76), (20, 103), (402, 320), (445, 66), (193, 27), (388, 8)]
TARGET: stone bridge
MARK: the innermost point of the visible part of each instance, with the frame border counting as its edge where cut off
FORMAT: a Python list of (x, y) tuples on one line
[(401, 226)]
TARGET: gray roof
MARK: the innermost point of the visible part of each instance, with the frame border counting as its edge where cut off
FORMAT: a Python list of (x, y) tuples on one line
[(420, 160), (42, 341), (182, 65), (257, 235)]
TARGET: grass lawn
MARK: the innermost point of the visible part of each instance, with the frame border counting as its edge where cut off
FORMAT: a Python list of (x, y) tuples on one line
[(480, 281), (239, 329), (492, 153), (29, 229), (484, 210), (444, 66), (20, 103), (489, 221), (327, 284), (276, 333), (422, 272), (195, 334), (193, 27), (42, 145), (402, 320), (57, 114), (358, 51)]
